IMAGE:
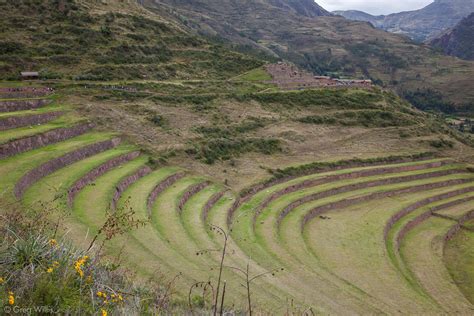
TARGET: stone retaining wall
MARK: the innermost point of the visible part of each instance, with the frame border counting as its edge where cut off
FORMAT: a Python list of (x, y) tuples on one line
[(27, 120), (25, 92), (262, 186), (14, 106), (190, 192), (36, 141), (92, 175), (53, 165), (409, 226), (411, 208), (160, 187), (210, 204), (317, 211), (127, 182), (333, 178), (43, 139), (455, 229), (363, 185), (452, 203)]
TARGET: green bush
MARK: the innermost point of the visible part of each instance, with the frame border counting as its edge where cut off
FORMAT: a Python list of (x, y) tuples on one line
[(225, 149), (360, 118)]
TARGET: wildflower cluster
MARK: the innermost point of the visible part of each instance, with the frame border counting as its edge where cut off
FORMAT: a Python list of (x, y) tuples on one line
[(52, 267), (79, 265), (11, 298), (114, 298)]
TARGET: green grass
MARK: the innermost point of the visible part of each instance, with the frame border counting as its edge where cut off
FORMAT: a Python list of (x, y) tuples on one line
[(67, 120), (459, 259), (267, 245), (257, 74), (423, 254), (13, 168)]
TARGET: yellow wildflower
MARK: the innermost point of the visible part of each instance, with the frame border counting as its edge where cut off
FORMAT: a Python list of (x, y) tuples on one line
[(53, 242), (79, 264), (55, 264), (50, 270), (104, 312), (11, 298), (2, 280)]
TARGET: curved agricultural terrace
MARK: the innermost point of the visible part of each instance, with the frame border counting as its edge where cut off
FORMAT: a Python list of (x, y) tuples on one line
[(382, 236)]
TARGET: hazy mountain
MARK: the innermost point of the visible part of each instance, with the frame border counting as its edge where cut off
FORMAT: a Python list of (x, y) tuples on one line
[(422, 24), (458, 41)]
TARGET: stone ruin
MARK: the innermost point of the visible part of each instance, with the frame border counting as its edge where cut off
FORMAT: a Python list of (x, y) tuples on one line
[(289, 77)]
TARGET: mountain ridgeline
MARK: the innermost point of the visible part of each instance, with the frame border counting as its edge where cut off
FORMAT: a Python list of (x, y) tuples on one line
[(420, 25)]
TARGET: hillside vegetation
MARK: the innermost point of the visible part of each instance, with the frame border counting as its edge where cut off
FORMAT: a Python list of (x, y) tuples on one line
[(325, 44), (66, 39)]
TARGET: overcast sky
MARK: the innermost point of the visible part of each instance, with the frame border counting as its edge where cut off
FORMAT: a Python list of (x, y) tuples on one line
[(374, 6)]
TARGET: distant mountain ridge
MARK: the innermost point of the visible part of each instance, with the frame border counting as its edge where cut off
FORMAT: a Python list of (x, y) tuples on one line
[(458, 41), (420, 25)]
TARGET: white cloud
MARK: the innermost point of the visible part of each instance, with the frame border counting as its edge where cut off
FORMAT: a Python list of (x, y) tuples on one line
[(374, 6)]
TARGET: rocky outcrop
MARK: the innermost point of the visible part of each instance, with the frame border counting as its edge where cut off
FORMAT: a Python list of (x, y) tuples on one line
[(189, 193), (127, 182), (160, 187), (13, 106), (28, 120), (92, 175), (24, 144), (53, 165)]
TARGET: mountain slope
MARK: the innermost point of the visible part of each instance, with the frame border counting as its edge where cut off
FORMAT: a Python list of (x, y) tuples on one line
[(357, 15), (324, 44), (419, 25), (458, 41), (114, 40)]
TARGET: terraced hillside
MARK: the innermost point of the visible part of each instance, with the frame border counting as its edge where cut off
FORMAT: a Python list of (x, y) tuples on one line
[(380, 235), (95, 40)]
